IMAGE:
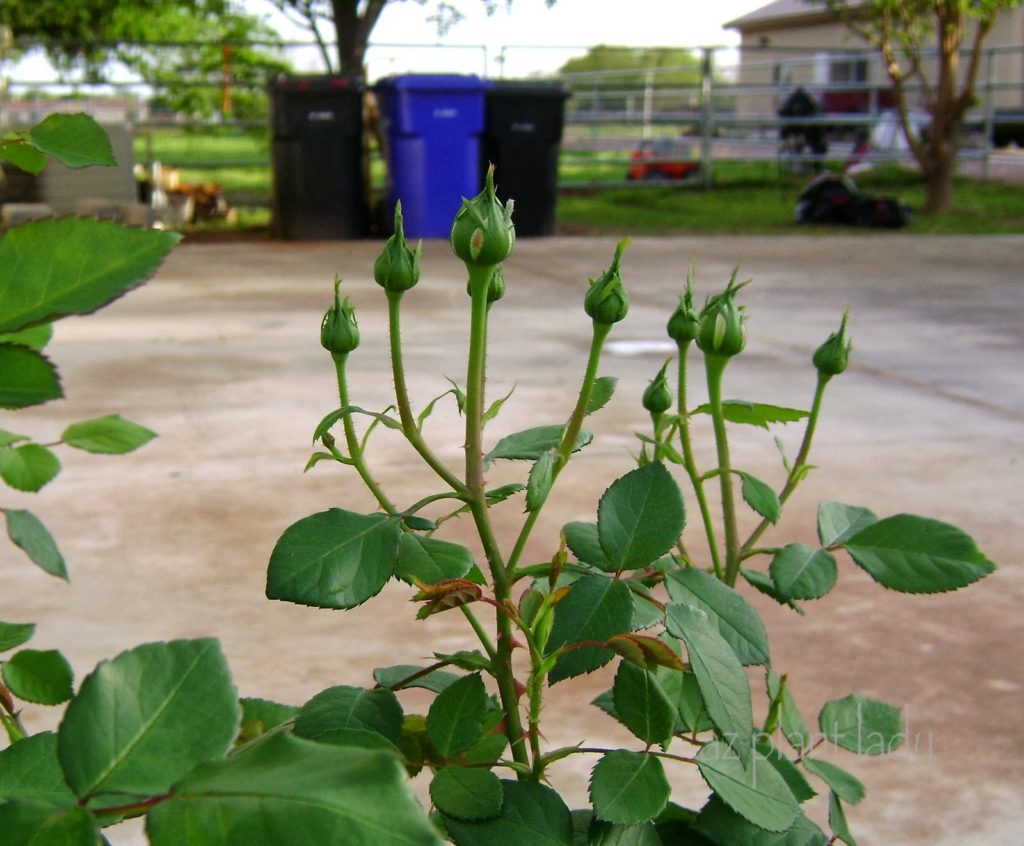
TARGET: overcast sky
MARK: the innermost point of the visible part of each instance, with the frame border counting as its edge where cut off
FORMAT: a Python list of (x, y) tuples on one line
[(531, 24)]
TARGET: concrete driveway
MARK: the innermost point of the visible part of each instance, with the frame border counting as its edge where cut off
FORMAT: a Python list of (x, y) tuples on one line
[(220, 355)]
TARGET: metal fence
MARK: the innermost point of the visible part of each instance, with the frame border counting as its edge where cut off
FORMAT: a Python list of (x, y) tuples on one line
[(724, 107)]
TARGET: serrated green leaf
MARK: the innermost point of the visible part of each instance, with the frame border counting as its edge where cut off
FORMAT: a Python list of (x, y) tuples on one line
[(531, 813), (28, 533), (430, 560), (40, 676), (466, 793), (8, 438), (595, 608), (724, 827), (601, 393), (29, 467), (793, 725), (175, 707), (329, 420), (838, 522), (531, 444), (628, 787), (75, 140), (720, 676), (754, 790), (455, 720), (429, 407), (760, 497), (71, 265), (763, 583), (346, 707), (684, 692), (467, 659), (500, 494), (495, 407), (29, 769), (541, 478), (915, 554), (735, 618), (795, 780), (27, 377), (641, 704), (582, 540), (645, 612), (360, 739), (602, 833), (20, 153), (35, 338), (846, 786), (265, 712), (110, 435), (640, 517), (802, 572), (837, 820), (435, 680), (754, 413), (334, 559), (284, 789), (27, 823), (15, 634), (862, 725)]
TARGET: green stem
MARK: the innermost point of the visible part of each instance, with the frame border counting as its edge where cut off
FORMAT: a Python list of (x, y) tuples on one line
[(409, 427), (355, 450), (690, 463), (479, 279), (569, 436), (715, 366), (481, 633), (798, 469)]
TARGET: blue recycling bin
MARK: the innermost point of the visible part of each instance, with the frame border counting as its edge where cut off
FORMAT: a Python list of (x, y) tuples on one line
[(432, 127)]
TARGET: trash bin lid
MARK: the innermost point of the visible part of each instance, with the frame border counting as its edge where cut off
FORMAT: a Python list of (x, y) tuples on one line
[(434, 82)]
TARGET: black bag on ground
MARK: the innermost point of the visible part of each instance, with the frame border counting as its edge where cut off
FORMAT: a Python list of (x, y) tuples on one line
[(834, 198)]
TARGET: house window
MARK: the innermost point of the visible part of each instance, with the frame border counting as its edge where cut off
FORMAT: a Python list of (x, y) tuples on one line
[(845, 71)]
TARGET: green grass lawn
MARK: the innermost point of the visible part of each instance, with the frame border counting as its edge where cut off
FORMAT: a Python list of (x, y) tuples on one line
[(747, 197)]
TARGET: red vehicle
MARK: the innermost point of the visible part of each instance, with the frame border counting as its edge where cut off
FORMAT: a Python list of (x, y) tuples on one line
[(662, 159)]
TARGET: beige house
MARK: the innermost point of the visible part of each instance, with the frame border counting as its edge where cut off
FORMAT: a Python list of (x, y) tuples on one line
[(790, 43)]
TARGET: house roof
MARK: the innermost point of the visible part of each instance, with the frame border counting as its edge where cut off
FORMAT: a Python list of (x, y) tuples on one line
[(784, 13)]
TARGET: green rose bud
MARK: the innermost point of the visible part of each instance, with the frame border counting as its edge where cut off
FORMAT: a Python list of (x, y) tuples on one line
[(607, 301), (495, 288), (339, 334), (722, 329), (832, 356), (398, 268), (482, 233), (682, 325), (657, 398)]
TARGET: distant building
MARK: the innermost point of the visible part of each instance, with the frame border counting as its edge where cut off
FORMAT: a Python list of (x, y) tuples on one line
[(790, 43)]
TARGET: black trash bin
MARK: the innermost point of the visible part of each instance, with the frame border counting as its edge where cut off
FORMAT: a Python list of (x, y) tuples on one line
[(317, 126), (522, 134)]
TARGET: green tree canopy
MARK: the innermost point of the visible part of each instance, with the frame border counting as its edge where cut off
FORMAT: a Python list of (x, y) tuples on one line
[(148, 36), (674, 64), (936, 45)]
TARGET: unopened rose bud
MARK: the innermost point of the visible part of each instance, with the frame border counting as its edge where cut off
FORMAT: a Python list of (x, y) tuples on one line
[(495, 288), (607, 301), (657, 398), (682, 325), (482, 233), (832, 357), (398, 268), (722, 329), (339, 333)]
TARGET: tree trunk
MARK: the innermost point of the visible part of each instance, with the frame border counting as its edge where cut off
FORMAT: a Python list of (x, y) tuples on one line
[(354, 32)]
